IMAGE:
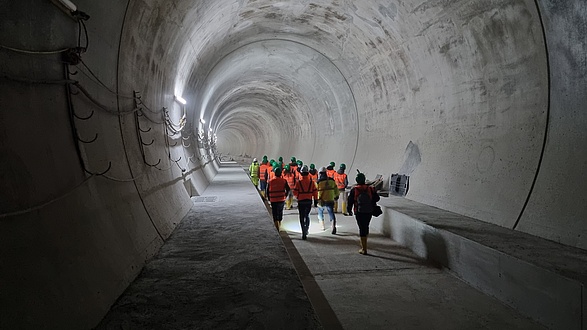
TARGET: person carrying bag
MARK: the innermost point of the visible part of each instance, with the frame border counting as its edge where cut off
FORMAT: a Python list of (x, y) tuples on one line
[(362, 201)]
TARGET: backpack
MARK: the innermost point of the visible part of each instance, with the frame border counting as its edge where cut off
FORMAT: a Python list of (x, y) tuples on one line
[(365, 201)]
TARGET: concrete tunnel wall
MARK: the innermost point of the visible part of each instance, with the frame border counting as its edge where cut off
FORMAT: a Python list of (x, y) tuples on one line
[(482, 103)]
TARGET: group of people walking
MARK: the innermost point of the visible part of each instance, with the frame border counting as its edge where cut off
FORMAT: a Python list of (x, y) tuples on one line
[(324, 188)]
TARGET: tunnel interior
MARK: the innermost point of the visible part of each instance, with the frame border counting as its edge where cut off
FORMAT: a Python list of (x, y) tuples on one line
[(481, 103)]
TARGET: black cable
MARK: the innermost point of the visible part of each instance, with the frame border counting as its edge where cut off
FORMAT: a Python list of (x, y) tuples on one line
[(79, 34), (39, 81), (36, 52), (100, 105), (86, 34), (102, 83)]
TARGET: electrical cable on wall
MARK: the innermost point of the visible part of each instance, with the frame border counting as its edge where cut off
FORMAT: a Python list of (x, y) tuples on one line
[(35, 52), (40, 206)]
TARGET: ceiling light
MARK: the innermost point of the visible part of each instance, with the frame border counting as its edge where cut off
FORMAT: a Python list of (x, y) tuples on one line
[(180, 99), (68, 4)]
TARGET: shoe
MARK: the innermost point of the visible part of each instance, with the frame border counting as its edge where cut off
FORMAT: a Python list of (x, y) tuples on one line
[(345, 214), (361, 251), (334, 231), (304, 236)]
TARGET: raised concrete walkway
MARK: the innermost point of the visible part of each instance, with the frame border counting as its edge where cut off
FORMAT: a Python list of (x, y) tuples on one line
[(226, 267)]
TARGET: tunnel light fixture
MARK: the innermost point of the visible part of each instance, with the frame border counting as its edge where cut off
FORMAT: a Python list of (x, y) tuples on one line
[(180, 99), (68, 4), (71, 9), (202, 121)]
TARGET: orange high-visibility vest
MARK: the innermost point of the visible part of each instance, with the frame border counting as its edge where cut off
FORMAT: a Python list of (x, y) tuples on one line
[(330, 173), (314, 176), (263, 171), (305, 189), (276, 190), (291, 178), (340, 180)]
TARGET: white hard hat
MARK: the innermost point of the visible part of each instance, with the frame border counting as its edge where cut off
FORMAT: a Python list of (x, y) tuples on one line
[(254, 160), (322, 169)]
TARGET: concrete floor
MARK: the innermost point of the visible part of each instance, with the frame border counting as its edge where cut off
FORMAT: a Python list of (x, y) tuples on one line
[(226, 267)]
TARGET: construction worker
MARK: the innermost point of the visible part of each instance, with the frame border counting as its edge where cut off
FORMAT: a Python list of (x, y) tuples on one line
[(277, 189), (362, 199), (291, 179), (271, 170), (299, 171), (342, 183), (264, 169), (293, 165), (330, 170), (313, 173), (305, 191), (254, 172), (327, 190)]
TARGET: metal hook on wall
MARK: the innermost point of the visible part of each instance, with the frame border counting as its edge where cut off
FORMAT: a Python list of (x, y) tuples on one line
[(100, 173), (153, 165), (84, 118), (92, 140), (140, 129)]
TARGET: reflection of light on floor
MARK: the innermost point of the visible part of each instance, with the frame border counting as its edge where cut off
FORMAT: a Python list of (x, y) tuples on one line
[(291, 224)]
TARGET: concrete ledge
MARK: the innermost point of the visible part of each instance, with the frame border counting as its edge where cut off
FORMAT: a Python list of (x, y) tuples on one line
[(542, 279)]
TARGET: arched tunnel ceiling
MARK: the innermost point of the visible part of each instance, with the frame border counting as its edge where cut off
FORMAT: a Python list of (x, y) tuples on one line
[(290, 85)]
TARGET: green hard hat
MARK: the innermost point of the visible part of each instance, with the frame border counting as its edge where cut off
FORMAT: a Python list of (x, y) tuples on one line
[(300, 163), (312, 166), (293, 159), (287, 168), (343, 166), (332, 164), (265, 157), (278, 171), (360, 178), (280, 159)]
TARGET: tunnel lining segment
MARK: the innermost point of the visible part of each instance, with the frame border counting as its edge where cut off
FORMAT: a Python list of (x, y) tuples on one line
[(547, 117), (313, 50)]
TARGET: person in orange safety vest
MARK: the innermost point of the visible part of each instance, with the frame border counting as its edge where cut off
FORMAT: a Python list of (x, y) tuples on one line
[(290, 176), (264, 169), (313, 173), (277, 190), (305, 191), (330, 170), (271, 170), (342, 183)]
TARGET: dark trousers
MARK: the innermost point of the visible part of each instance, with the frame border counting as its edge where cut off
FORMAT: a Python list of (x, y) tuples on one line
[(363, 220), (277, 210), (304, 207)]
